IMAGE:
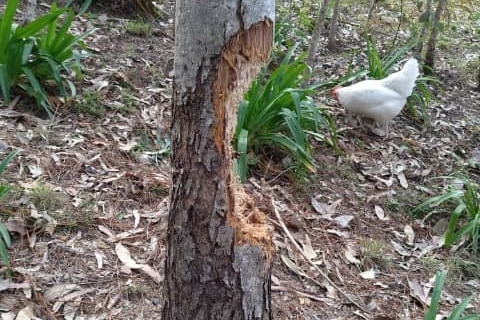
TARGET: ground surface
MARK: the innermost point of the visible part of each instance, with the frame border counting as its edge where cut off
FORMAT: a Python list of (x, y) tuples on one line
[(89, 193)]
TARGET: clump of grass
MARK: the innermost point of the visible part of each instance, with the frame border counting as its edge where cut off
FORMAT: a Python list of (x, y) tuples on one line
[(44, 197), (5, 240), (156, 149), (457, 313), (374, 253), (464, 267), (91, 104), (464, 207), (139, 28)]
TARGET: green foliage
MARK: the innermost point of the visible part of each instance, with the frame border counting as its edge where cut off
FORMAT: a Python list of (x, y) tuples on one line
[(5, 241), (44, 197), (456, 313), (156, 149), (91, 104), (465, 217), (37, 53), (139, 28), (278, 112), (287, 35)]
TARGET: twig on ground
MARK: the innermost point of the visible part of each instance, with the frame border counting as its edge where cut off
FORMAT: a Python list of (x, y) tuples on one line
[(297, 246)]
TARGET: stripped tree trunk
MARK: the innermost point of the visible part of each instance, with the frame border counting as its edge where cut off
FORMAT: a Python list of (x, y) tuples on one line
[(429, 65), (317, 32), (219, 249)]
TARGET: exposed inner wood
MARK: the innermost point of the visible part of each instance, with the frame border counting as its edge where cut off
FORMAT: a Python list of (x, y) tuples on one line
[(239, 63)]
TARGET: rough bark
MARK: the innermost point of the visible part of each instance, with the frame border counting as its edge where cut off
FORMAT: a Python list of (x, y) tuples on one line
[(332, 44), (317, 32), (219, 249), (429, 65)]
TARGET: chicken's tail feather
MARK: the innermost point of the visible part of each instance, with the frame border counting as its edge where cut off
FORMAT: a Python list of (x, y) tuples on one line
[(410, 69), (403, 81)]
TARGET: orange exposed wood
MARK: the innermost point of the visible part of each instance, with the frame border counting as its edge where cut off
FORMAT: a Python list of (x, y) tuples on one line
[(240, 61)]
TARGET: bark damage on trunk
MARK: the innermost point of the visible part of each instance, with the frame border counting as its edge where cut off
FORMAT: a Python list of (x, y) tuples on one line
[(219, 250)]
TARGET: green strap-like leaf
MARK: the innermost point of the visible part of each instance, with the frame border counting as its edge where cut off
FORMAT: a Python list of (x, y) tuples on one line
[(437, 291), (6, 24), (7, 160), (4, 235)]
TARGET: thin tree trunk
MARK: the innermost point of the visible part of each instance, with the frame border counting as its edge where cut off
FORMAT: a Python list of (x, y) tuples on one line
[(317, 32), (219, 249), (426, 25), (370, 11), (332, 44), (478, 77), (429, 65), (31, 11)]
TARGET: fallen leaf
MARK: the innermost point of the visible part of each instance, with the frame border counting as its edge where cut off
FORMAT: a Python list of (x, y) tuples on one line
[(343, 220), (410, 234), (157, 277), (291, 265), (380, 213), (124, 255), (99, 257), (325, 209), (351, 254), (418, 291), (59, 290), (136, 216), (308, 249), (403, 180), (25, 314), (369, 274)]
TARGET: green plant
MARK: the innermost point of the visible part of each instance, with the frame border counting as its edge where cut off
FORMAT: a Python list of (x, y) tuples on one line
[(139, 28), (37, 53), (91, 104), (44, 197), (155, 149), (278, 112), (5, 240), (374, 253), (467, 206), (456, 313)]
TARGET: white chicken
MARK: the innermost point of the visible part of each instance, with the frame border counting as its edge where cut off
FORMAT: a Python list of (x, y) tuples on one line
[(380, 100)]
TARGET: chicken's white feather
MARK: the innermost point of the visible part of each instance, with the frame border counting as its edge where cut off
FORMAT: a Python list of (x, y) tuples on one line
[(380, 100)]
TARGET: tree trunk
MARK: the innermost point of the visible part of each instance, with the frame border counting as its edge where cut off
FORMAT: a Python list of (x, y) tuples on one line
[(31, 11), (427, 23), (478, 77), (370, 12), (429, 65), (219, 249), (317, 32), (332, 44)]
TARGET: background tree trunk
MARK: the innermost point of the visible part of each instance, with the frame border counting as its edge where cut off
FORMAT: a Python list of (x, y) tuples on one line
[(219, 249), (478, 76), (429, 65), (317, 32), (332, 44), (427, 23)]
